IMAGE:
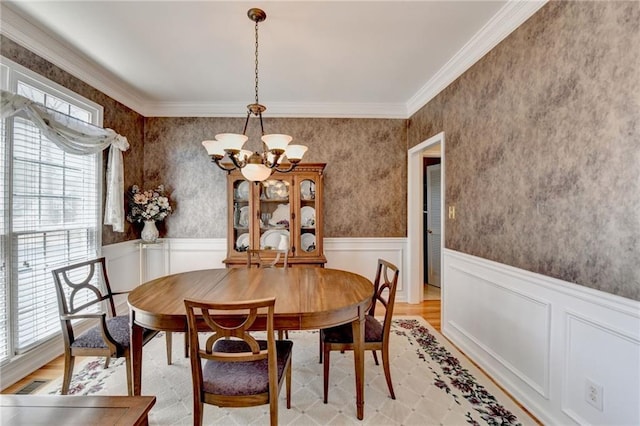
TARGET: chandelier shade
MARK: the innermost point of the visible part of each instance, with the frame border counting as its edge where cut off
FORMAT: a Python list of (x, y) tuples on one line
[(275, 141), (255, 166), (295, 152)]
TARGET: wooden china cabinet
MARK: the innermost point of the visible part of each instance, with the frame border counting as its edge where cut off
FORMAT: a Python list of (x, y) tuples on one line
[(283, 212)]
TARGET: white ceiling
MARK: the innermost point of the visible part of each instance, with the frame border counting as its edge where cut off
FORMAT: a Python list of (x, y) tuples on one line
[(317, 58)]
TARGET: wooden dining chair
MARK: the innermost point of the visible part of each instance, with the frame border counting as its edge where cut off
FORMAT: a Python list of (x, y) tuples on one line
[(267, 258), (376, 334), (84, 292), (239, 371)]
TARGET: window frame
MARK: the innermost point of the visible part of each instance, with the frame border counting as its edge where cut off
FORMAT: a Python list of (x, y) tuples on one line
[(11, 74)]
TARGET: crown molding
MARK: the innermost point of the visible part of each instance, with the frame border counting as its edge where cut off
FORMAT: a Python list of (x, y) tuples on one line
[(277, 109), (509, 17), (49, 47)]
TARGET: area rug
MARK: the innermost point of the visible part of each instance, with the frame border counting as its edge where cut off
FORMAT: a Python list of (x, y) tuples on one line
[(434, 384)]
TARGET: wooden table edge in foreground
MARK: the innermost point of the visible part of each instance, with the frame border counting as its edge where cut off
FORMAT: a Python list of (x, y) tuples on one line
[(306, 299), (99, 410)]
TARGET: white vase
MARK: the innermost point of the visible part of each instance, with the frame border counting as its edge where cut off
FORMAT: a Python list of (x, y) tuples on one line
[(149, 232)]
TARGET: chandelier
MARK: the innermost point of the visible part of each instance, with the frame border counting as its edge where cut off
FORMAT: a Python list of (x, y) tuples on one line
[(255, 166)]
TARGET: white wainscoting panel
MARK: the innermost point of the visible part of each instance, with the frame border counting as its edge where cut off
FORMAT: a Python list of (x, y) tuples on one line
[(122, 265), (187, 254), (360, 255), (509, 324), (611, 362), (123, 268), (543, 339)]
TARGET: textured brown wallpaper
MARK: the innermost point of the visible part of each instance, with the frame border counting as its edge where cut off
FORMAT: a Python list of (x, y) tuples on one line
[(116, 116), (365, 180), (543, 147), (365, 177)]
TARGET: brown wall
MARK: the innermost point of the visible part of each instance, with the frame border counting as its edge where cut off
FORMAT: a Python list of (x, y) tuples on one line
[(543, 147), (365, 178), (542, 152)]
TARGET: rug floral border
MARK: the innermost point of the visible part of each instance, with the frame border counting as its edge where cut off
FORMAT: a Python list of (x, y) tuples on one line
[(453, 378)]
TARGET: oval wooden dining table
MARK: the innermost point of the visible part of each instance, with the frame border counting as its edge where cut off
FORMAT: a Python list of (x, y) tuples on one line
[(306, 299)]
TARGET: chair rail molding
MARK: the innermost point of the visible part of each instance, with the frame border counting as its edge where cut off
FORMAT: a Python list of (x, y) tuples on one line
[(545, 340)]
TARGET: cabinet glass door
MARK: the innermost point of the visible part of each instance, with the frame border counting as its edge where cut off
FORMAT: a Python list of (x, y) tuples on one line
[(308, 219), (241, 215), (275, 214)]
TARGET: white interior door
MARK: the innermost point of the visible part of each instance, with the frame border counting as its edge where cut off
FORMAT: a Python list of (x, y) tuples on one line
[(434, 228)]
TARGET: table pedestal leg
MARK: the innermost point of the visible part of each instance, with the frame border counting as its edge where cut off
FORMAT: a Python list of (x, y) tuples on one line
[(136, 357), (358, 357)]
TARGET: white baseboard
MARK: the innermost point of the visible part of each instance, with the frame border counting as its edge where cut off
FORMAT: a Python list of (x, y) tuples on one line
[(543, 338)]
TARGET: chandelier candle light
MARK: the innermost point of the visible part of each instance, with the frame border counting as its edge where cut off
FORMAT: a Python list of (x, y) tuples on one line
[(255, 166)]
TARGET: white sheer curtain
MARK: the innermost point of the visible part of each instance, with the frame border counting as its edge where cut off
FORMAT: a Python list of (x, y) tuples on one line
[(81, 138)]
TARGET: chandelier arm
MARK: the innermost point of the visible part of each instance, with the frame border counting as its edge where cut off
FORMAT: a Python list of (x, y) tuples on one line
[(276, 156), (265, 159), (234, 160), (222, 166), (290, 168)]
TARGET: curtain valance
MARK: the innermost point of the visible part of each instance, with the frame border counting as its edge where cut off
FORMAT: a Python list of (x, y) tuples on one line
[(78, 137)]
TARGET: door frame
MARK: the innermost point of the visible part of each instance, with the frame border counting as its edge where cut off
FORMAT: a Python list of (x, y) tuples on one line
[(415, 237)]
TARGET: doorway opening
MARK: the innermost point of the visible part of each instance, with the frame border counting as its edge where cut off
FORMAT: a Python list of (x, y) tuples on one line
[(417, 228), (432, 232)]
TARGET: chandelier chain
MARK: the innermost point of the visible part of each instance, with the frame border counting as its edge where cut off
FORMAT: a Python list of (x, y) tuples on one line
[(257, 102)]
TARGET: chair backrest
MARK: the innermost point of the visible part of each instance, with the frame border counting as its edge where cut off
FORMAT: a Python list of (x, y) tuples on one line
[(219, 320), (267, 258), (385, 286), (87, 281)]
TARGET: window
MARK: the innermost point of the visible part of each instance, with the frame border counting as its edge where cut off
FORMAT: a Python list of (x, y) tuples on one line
[(50, 212)]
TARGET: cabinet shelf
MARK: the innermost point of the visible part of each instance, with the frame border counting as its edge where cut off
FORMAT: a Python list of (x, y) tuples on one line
[(271, 200)]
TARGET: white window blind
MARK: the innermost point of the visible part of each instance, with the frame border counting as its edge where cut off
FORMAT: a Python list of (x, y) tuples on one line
[(51, 205), (4, 294)]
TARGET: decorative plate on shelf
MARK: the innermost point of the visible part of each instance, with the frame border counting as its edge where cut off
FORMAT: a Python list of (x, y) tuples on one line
[(243, 220), (308, 189), (242, 191), (308, 241), (272, 238), (242, 243), (277, 190), (308, 217)]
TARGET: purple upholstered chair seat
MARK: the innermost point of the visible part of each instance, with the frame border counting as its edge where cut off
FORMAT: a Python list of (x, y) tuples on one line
[(242, 378), (118, 327), (373, 332)]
